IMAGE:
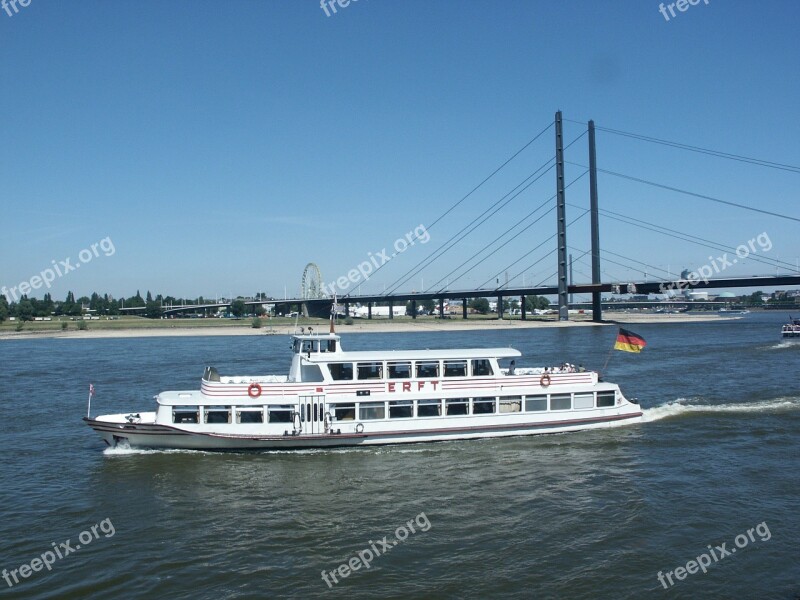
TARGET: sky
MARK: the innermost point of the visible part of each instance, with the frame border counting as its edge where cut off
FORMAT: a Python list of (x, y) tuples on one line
[(217, 148)]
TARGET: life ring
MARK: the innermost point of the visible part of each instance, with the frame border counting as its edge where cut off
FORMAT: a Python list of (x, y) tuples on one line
[(360, 428), (545, 380), (254, 390)]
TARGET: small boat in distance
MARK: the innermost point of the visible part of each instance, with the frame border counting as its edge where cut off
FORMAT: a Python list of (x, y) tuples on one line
[(733, 311), (791, 329), (333, 398)]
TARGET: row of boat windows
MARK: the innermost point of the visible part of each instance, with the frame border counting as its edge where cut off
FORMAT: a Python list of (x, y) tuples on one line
[(396, 409), (345, 371), (406, 409), (223, 414)]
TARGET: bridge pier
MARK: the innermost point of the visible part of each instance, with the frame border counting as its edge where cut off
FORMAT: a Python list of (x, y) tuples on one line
[(391, 309), (413, 309), (369, 310), (463, 308), (561, 217), (524, 308), (597, 309), (500, 306), (441, 308)]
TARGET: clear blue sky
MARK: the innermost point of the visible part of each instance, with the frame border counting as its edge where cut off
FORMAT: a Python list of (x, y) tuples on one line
[(221, 146)]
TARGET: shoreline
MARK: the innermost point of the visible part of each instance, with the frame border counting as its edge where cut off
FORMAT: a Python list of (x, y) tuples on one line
[(362, 326)]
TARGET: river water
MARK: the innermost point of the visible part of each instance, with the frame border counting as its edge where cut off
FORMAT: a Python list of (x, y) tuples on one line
[(593, 514)]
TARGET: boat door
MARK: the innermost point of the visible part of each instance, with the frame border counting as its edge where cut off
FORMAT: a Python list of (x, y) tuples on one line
[(313, 415)]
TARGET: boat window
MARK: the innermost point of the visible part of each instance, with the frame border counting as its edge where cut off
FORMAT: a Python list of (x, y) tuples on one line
[(457, 406), (511, 404), (341, 371), (370, 370), (185, 414), (399, 370), (481, 366), (371, 410), (428, 368), (310, 372), (585, 400), (605, 399), (250, 416), (455, 368), (429, 408), (211, 374), (560, 401), (535, 403), (482, 406), (401, 409), (218, 414), (281, 413), (344, 412)]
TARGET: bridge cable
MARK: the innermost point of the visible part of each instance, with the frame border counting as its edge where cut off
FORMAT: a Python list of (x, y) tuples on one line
[(688, 193), (473, 190), (737, 157), (469, 228)]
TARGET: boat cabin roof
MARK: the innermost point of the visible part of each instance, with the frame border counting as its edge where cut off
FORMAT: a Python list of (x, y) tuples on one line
[(314, 347), (406, 355)]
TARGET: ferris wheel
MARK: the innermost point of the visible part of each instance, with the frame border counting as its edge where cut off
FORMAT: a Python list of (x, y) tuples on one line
[(311, 286)]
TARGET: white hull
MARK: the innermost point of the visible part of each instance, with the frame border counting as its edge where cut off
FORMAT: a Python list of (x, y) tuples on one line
[(152, 436)]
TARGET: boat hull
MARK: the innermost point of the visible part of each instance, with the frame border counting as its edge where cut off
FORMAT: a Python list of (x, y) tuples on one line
[(154, 436)]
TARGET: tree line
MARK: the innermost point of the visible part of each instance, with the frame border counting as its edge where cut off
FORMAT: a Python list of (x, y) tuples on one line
[(29, 308)]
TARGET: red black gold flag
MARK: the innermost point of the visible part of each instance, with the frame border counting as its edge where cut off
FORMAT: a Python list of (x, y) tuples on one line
[(627, 341)]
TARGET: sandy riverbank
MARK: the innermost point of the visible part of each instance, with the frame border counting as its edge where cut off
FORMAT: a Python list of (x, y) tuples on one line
[(365, 326)]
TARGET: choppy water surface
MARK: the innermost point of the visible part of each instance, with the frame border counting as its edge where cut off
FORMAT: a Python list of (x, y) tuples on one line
[(585, 515)]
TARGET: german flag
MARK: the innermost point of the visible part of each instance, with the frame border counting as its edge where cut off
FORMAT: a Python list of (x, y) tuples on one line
[(627, 341)]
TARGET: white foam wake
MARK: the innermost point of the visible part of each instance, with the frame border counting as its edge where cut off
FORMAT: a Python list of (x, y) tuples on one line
[(784, 344), (682, 406), (121, 451)]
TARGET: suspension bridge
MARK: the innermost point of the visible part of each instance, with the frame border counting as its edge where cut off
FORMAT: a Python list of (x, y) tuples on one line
[(315, 300)]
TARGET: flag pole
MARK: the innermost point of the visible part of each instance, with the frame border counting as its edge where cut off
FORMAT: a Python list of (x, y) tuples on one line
[(89, 408), (610, 352), (608, 358)]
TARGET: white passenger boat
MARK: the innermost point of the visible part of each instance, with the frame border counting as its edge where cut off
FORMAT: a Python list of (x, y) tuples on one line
[(336, 398), (791, 329)]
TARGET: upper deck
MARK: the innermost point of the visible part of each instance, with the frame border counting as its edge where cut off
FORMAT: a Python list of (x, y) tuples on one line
[(328, 348)]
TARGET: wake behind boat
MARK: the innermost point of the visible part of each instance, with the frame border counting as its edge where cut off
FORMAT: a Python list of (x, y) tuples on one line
[(334, 398)]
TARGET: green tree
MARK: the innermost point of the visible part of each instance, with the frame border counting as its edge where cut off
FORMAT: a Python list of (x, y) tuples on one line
[(536, 303), (153, 310), (3, 309), (754, 299), (67, 306), (480, 305), (237, 308), (25, 309)]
